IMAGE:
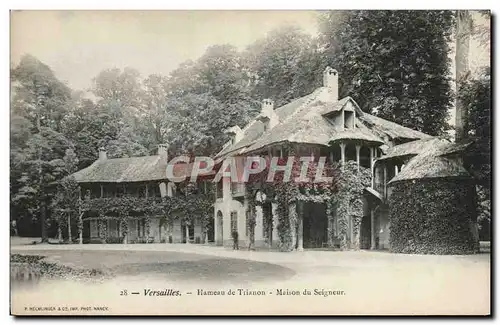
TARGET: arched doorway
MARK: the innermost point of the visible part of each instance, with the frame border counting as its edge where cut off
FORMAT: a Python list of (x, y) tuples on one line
[(220, 237)]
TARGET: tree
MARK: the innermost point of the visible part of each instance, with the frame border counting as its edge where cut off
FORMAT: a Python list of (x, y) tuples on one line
[(205, 97), (120, 102), (284, 65), (39, 103), (463, 35), (396, 61), (475, 96)]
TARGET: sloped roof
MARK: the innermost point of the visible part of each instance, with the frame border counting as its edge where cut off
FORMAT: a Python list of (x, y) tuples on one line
[(132, 169), (356, 134), (303, 121), (123, 169), (433, 163), (255, 129), (393, 130), (412, 148)]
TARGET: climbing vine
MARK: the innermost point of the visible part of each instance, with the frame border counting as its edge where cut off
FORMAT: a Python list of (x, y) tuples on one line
[(348, 199), (189, 206), (342, 198)]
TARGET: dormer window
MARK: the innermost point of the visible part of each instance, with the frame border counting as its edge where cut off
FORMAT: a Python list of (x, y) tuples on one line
[(348, 120)]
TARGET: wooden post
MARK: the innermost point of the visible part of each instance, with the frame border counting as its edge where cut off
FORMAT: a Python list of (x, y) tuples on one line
[(170, 230), (187, 234), (385, 180), (69, 228), (371, 165), (292, 209), (80, 215), (59, 233), (300, 230), (146, 193), (372, 233), (358, 149), (342, 153), (108, 226), (396, 171)]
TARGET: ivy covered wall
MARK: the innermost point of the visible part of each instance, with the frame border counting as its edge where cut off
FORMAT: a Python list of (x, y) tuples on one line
[(432, 216)]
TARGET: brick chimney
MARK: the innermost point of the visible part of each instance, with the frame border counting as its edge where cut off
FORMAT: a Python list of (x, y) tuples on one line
[(267, 106), (331, 82), (163, 150), (267, 115), (235, 133), (102, 154)]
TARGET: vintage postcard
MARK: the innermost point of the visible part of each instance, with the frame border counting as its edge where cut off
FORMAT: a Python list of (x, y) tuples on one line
[(250, 162)]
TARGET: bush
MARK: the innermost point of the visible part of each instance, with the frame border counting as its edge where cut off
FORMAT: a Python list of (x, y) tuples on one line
[(432, 217)]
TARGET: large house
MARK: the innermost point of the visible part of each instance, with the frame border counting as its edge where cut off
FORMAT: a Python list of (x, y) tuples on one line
[(144, 178), (321, 124)]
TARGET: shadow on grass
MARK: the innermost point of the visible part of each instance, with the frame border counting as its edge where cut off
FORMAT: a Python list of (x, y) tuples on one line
[(209, 270)]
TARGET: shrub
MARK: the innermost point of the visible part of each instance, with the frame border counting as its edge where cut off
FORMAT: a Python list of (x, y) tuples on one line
[(432, 216)]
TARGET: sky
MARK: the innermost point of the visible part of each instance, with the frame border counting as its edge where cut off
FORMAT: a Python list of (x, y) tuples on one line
[(77, 45)]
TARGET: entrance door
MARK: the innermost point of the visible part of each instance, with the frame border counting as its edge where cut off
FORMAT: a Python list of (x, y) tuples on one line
[(184, 234), (267, 220), (365, 235), (315, 225), (211, 230)]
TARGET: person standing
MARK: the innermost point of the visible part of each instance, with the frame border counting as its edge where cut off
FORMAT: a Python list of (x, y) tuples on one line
[(235, 240), (14, 227)]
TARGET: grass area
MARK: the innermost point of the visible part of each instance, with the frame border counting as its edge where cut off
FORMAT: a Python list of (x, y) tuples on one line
[(36, 264), (168, 265)]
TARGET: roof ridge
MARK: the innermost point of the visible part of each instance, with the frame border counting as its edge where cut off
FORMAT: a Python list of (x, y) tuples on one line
[(307, 102)]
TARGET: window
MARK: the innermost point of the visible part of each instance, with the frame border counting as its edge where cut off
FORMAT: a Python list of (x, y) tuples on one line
[(234, 221), (237, 189), (218, 190), (348, 120)]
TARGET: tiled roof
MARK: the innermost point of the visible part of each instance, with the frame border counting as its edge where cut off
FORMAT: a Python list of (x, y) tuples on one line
[(433, 163), (391, 129), (412, 148), (133, 169)]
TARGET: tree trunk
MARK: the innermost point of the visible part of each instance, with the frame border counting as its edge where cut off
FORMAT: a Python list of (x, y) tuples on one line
[(43, 217), (80, 229), (187, 234), (463, 34), (70, 240), (59, 233)]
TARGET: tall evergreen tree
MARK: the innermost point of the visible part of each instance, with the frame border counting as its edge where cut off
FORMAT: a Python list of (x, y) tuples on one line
[(396, 61), (39, 103), (284, 65)]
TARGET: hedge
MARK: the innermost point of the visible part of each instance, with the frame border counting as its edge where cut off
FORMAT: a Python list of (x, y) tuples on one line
[(432, 216)]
